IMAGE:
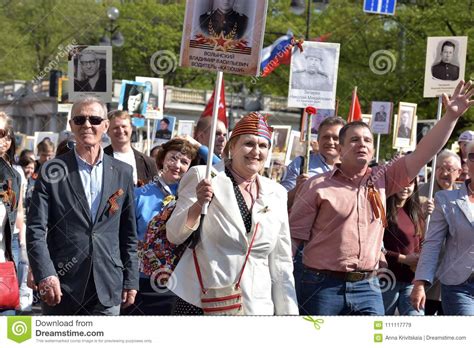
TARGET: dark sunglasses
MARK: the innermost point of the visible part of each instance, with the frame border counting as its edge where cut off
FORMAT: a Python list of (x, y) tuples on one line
[(470, 156), (3, 133), (94, 120)]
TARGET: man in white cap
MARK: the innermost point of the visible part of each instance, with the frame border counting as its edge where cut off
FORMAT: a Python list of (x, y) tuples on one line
[(465, 138)]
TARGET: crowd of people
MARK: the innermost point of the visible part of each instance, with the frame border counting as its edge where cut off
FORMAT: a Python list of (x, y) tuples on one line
[(110, 231)]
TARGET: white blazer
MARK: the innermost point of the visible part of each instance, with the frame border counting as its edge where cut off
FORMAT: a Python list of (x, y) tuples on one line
[(267, 283)]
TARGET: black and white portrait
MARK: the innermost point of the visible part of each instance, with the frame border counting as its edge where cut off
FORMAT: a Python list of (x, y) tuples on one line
[(381, 117), (445, 69), (91, 69), (234, 28), (405, 126), (311, 70), (313, 75), (445, 64), (222, 18)]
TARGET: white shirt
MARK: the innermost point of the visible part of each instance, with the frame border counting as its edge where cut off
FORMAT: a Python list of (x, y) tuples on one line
[(3, 220), (129, 158)]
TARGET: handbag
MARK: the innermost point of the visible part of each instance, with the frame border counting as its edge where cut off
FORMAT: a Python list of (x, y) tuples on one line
[(226, 300), (9, 290)]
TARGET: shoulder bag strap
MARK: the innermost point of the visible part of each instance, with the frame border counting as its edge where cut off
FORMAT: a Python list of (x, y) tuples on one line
[(248, 254), (198, 269)]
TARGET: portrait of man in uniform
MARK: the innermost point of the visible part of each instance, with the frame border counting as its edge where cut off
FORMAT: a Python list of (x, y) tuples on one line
[(444, 69), (223, 19), (90, 77), (381, 115), (404, 130), (313, 76)]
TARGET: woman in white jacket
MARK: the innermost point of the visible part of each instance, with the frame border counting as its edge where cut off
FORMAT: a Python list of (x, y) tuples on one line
[(241, 203)]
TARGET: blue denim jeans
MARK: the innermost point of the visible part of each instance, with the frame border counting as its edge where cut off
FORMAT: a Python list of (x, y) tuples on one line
[(325, 295), (16, 248), (458, 299), (298, 270), (398, 296)]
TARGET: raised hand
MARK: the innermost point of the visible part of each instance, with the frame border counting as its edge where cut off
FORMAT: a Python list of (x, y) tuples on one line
[(460, 101)]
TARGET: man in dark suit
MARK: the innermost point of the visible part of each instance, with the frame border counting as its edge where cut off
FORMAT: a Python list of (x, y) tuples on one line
[(444, 70), (404, 130), (93, 79), (381, 115), (224, 20), (120, 132), (81, 233), (163, 132)]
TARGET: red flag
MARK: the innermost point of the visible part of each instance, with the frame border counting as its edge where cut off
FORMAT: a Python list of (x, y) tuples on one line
[(355, 114), (222, 110)]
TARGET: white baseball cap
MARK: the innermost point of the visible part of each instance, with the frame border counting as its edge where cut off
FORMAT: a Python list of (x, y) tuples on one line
[(467, 136)]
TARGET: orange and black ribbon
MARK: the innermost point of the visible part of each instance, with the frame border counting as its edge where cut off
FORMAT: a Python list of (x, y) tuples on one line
[(9, 196), (376, 203), (114, 207)]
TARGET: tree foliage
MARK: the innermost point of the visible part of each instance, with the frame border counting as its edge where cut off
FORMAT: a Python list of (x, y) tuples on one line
[(33, 32)]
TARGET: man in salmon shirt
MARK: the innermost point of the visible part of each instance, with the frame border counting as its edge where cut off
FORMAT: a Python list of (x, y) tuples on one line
[(340, 215)]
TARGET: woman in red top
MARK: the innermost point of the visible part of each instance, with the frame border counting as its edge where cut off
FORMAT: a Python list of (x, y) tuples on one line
[(402, 242)]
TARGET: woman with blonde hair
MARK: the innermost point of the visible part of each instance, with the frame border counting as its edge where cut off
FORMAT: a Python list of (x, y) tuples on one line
[(244, 240)]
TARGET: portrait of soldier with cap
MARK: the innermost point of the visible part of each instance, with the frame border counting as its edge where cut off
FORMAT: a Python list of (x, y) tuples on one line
[(313, 76), (221, 18)]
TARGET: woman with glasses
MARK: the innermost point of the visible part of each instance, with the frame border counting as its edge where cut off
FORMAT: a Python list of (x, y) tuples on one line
[(452, 225), (10, 199)]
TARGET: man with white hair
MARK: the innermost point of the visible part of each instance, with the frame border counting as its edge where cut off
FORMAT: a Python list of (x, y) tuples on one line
[(448, 168), (91, 78), (82, 232)]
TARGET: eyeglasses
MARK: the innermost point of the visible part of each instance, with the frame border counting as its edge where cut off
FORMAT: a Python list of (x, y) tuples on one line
[(470, 156), (447, 170), (87, 62), (79, 120)]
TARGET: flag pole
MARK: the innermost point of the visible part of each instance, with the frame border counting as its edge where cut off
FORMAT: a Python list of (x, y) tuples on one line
[(354, 93), (308, 142), (309, 111), (433, 163), (378, 148), (148, 135), (212, 136)]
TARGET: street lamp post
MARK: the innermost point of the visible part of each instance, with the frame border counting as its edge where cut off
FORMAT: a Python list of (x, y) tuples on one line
[(114, 37), (298, 7)]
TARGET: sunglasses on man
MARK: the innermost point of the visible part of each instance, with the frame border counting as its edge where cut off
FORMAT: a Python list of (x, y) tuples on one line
[(79, 120)]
